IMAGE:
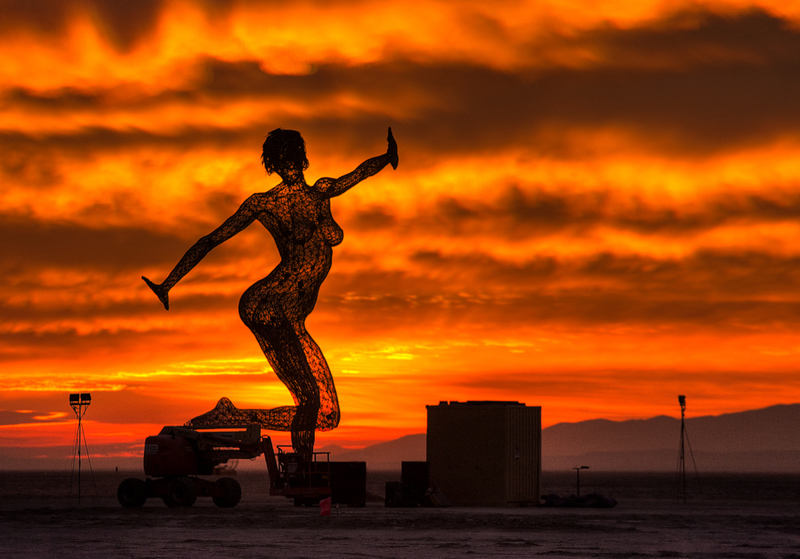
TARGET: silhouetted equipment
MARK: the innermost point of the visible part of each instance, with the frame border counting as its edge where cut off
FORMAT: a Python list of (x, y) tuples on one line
[(79, 404), (177, 455), (578, 481), (593, 500), (682, 456), (485, 453), (416, 478), (349, 483), (413, 490), (298, 216)]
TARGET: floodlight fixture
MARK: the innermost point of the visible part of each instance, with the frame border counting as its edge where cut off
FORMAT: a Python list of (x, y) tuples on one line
[(79, 402)]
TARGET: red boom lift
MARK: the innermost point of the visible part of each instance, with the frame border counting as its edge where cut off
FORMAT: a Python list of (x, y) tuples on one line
[(177, 455)]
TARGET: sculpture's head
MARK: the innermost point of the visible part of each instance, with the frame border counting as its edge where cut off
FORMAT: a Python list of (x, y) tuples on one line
[(284, 150)]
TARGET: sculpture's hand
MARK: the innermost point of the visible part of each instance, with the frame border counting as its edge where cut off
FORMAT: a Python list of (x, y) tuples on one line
[(392, 151), (161, 293)]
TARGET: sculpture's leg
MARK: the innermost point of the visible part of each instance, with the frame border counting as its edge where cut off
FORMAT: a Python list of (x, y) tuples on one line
[(328, 415), (298, 363), (285, 352), (225, 413), (282, 346), (282, 418)]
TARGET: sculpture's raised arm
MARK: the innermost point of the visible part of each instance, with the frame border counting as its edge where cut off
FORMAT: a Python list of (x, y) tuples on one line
[(335, 187), (243, 217)]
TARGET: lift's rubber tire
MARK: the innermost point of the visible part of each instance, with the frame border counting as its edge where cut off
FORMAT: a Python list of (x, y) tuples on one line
[(181, 492), (232, 493), (132, 492)]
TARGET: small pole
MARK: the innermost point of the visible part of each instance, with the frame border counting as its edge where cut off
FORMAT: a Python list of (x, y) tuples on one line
[(79, 458), (682, 458), (578, 481)]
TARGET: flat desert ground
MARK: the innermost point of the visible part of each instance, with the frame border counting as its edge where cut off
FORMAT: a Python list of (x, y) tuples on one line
[(733, 516)]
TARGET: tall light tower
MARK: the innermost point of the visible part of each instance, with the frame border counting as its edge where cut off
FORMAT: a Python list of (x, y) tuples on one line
[(685, 440), (682, 458), (79, 403)]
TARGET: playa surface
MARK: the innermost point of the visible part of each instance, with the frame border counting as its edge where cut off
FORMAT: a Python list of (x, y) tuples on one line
[(736, 517)]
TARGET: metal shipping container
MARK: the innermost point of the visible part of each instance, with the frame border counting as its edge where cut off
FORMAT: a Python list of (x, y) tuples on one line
[(485, 453)]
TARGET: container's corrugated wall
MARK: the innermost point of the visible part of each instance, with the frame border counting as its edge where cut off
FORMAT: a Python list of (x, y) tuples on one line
[(523, 454)]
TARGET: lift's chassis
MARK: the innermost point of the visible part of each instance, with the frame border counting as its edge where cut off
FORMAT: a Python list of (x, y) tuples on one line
[(177, 455)]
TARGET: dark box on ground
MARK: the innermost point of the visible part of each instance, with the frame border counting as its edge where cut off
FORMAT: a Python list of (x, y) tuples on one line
[(416, 473), (349, 483), (416, 481), (411, 492)]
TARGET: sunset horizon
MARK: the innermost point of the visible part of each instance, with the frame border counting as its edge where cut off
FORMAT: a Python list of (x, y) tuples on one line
[(594, 209)]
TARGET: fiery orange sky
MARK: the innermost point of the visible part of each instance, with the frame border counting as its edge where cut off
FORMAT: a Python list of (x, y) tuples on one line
[(596, 207)]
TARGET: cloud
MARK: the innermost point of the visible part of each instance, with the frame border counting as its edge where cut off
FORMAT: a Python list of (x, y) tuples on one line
[(115, 408), (15, 417), (517, 212), (692, 84), (703, 291), (42, 16), (694, 38), (477, 267), (35, 244), (627, 172)]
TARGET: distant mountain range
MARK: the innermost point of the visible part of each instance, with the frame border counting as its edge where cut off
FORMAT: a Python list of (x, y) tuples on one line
[(763, 440)]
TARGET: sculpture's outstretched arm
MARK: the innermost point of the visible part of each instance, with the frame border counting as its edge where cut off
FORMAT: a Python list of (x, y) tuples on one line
[(335, 187), (243, 217)]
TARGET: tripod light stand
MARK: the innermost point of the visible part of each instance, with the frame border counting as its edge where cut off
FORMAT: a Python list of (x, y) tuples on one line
[(79, 404)]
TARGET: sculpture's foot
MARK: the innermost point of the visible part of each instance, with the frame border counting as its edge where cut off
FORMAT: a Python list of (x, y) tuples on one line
[(224, 413)]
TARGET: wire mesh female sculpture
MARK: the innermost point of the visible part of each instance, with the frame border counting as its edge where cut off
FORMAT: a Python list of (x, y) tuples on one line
[(275, 308)]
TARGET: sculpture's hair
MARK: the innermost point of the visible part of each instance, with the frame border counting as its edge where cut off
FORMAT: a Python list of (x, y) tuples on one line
[(282, 147)]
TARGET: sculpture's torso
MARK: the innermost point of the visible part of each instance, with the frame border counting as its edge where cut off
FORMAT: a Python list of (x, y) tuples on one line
[(300, 221)]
